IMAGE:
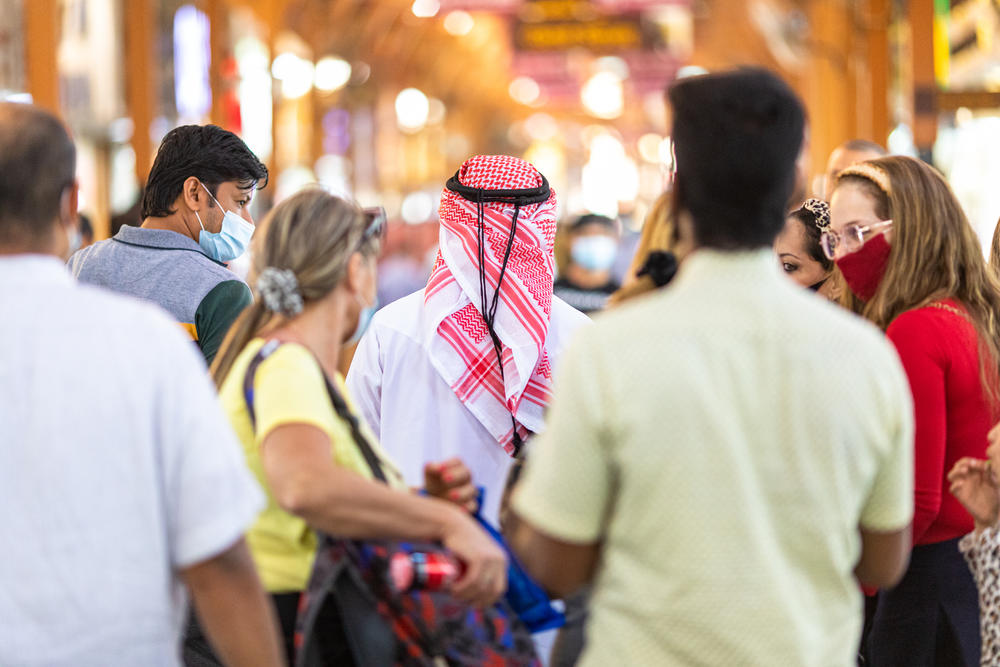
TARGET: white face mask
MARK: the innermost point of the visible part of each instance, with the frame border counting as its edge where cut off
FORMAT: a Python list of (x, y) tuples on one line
[(594, 253), (364, 320), (74, 238), (228, 243)]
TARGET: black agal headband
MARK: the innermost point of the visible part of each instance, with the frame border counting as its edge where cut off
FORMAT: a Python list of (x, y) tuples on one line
[(518, 198), (488, 305)]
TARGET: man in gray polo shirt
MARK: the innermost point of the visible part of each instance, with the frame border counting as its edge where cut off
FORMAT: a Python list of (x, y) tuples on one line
[(196, 217)]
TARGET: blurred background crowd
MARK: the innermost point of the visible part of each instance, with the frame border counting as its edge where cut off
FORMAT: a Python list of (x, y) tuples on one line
[(381, 100)]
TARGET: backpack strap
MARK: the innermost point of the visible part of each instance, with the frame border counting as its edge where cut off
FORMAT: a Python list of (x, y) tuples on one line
[(344, 412), (266, 350), (337, 401)]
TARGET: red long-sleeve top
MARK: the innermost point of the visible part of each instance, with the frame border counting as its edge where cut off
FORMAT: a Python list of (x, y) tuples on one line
[(939, 349)]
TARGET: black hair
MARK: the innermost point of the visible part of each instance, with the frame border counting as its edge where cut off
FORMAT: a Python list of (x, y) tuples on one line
[(593, 219), (86, 228), (736, 136), (37, 163), (207, 152), (807, 219)]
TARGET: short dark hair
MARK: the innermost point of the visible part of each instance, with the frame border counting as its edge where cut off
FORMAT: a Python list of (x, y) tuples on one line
[(207, 152), (593, 219), (736, 137), (37, 164), (864, 146), (86, 228)]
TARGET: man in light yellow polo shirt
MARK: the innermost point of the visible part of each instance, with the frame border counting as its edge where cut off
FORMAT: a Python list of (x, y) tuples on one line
[(725, 460)]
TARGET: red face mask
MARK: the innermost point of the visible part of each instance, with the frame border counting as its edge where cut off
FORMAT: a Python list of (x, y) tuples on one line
[(864, 268)]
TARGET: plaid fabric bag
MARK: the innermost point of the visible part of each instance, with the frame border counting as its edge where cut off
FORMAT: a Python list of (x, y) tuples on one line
[(350, 598), (413, 629)]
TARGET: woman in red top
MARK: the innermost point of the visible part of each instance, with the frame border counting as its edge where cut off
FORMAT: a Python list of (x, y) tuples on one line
[(910, 257)]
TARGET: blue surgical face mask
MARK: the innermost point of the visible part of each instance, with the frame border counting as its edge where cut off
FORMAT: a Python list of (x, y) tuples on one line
[(594, 253), (364, 320), (228, 243), (75, 239)]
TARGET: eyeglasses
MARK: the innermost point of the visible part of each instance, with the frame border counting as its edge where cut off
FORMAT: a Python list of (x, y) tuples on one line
[(375, 220), (850, 238)]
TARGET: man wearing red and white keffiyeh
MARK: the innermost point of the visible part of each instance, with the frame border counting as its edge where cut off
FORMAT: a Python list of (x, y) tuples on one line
[(510, 245), (428, 377)]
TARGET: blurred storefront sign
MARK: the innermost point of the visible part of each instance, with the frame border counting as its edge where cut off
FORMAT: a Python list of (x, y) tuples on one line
[(555, 42), (561, 74), (967, 44), (604, 34)]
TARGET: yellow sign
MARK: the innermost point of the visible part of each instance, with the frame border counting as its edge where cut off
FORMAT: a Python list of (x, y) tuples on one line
[(600, 35)]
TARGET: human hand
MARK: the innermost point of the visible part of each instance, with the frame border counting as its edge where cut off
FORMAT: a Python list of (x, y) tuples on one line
[(451, 480), (974, 485), (485, 576)]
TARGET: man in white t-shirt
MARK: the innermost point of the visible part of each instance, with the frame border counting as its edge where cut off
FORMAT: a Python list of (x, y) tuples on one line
[(122, 488), (727, 459)]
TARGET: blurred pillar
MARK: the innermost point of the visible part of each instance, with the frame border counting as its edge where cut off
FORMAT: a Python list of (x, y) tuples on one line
[(41, 27), (141, 81), (846, 80), (880, 16), (272, 12), (829, 83), (217, 12), (925, 120), (101, 219)]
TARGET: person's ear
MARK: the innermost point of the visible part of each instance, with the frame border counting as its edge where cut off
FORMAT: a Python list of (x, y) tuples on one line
[(355, 278), (69, 204), (193, 194)]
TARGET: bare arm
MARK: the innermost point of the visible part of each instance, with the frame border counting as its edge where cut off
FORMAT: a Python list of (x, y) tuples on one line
[(234, 610), (559, 567), (306, 482), (884, 557)]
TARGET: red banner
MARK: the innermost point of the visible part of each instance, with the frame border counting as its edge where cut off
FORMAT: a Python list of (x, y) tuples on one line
[(615, 6), (512, 6), (649, 71), (495, 6)]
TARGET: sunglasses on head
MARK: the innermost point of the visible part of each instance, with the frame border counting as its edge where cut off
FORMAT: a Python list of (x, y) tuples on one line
[(375, 223)]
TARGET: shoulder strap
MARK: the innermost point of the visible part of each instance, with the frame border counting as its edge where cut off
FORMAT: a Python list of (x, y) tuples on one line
[(340, 406), (263, 353), (338, 402)]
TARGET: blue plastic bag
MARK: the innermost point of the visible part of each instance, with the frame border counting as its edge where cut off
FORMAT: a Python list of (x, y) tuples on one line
[(525, 597)]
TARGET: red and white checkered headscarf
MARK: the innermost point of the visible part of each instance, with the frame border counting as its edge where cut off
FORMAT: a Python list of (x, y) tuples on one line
[(459, 343)]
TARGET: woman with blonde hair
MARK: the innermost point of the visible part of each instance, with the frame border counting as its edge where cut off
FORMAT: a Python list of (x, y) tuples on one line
[(912, 260), (658, 254), (314, 271), (995, 250)]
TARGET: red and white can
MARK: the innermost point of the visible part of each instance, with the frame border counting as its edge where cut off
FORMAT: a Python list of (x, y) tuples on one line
[(424, 571)]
